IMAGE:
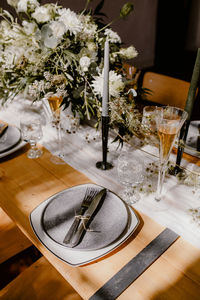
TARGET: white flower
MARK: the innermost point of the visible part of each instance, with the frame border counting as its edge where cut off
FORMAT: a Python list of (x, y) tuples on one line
[(85, 51), (33, 3), (57, 51), (113, 37), (128, 53), (89, 27), (5, 28), (49, 40), (84, 63), (42, 14), (58, 28), (13, 54), (29, 28), (22, 5), (116, 84), (71, 21)]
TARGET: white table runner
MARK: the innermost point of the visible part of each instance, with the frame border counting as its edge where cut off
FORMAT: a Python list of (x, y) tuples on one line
[(82, 154)]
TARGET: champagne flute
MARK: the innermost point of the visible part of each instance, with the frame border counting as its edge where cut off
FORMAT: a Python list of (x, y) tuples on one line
[(169, 121), (55, 105)]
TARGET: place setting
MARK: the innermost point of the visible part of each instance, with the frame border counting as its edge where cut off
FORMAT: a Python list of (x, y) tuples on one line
[(82, 230), (10, 139)]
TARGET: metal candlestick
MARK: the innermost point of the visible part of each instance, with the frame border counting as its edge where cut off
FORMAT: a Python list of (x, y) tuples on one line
[(189, 108), (104, 165)]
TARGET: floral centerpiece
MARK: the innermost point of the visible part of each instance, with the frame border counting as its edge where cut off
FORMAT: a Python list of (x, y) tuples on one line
[(50, 50)]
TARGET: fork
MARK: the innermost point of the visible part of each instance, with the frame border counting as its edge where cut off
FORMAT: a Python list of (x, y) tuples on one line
[(88, 197)]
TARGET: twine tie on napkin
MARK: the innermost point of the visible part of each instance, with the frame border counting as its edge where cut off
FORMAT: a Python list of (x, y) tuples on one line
[(84, 219)]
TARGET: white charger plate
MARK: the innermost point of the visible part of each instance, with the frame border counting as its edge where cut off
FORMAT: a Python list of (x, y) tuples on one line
[(70, 255)]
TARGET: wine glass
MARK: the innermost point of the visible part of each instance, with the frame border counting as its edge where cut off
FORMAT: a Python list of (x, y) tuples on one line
[(149, 124), (31, 131), (169, 121), (130, 173), (55, 106)]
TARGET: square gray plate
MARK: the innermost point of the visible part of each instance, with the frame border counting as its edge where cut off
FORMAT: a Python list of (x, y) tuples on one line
[(13, 137), (13, 149), (70, 255), (59, 214)]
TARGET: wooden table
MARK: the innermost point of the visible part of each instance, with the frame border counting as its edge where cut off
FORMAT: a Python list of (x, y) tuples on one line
[(25, 183)]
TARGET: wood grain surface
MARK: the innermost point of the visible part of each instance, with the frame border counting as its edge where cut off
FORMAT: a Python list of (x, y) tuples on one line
[(25, 183)]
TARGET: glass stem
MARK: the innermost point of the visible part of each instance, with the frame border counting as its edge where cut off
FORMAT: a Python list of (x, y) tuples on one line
[(161, 176), (59, 136), (33, 145)]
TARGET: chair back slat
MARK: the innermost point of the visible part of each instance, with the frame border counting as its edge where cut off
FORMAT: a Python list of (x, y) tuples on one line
[(166, 90)]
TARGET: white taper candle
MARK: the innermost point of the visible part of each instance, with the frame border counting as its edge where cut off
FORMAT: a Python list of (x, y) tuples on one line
[(105, 80)]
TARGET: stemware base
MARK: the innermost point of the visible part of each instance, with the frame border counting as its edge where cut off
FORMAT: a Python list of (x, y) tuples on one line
[(57, 159), (158, 206), (34, 153), (130, 196), (104, 165)]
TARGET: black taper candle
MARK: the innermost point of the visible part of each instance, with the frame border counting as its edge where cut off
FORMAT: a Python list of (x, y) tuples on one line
[(188, 108)]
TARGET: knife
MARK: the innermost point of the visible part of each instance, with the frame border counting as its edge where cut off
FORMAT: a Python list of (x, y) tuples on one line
[(90, 211)]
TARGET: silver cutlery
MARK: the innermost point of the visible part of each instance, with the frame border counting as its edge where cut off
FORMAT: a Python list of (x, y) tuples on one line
[(89, 195), (87, 216)]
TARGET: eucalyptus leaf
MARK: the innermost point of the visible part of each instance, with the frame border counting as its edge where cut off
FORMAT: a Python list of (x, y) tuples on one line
[(126, 9)]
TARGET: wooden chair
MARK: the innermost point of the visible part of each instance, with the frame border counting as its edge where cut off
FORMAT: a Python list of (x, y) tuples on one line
[(37, 282), (40, 281), (12, 240), (165, 90)]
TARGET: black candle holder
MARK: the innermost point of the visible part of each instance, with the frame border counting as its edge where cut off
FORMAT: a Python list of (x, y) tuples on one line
[(104, 165), (182, 138), (188, 108)]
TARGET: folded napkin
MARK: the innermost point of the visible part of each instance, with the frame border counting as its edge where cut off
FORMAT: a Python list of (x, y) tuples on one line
[(136, 266), (3, 127)]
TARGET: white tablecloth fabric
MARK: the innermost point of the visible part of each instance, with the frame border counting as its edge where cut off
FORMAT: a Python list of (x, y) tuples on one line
[(83, 149)]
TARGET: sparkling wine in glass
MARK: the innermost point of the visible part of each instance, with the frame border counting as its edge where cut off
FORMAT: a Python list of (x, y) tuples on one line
[(55, 105), (169, 121)]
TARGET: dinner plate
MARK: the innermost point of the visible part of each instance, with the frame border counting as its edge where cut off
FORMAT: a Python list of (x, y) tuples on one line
[(60, 212), (192, 136), (79, 257), (19, 145), (13, 137)]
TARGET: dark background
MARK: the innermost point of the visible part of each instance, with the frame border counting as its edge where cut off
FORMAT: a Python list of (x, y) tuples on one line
[(165, 33)]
